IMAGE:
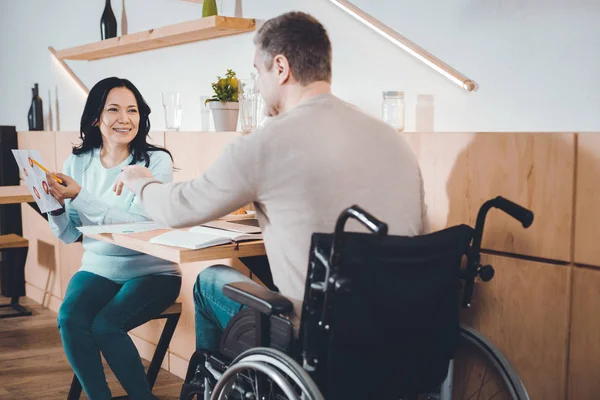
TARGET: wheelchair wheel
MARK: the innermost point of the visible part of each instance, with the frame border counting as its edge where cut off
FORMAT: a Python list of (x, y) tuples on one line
[(482, 372), (264, 373)]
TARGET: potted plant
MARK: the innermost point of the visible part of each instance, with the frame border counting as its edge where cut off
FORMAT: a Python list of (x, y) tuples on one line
[(224, 103)]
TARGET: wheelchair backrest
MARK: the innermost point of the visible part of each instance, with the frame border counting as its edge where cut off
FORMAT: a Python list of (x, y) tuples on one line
[(389, 325)]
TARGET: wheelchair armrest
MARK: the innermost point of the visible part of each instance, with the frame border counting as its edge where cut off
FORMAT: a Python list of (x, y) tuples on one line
[(257, 297)]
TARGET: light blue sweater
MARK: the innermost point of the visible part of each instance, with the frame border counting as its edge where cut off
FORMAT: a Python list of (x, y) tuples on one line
[(97, 204)]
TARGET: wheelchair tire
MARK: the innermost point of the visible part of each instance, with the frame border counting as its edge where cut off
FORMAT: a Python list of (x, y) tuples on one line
[(278, 362), (481, 371)]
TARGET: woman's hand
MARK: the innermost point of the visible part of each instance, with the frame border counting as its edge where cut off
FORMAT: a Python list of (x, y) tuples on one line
[(68, 190)]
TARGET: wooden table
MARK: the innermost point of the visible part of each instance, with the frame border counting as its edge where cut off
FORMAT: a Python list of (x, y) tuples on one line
[(15, 195), (140, 242)]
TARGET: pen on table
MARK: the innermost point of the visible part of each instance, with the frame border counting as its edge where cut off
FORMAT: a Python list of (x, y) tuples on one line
[(57, 179)]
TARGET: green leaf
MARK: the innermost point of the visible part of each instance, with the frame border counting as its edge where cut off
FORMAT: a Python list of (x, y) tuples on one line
[(226, 89)]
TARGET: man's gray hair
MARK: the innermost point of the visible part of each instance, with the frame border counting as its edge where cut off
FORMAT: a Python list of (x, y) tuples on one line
[(302, 40)]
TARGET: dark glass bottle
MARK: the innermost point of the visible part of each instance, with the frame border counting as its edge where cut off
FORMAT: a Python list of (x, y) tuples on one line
[(35, 116), (108, 22)]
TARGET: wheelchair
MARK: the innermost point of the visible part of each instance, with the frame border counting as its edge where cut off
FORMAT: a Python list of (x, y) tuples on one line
[(379, 321)]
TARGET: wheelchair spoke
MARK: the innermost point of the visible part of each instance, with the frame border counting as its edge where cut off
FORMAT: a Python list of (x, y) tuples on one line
[(265, 374), (476, 378)]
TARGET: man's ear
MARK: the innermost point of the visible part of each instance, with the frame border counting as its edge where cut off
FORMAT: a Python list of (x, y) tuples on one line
[(282, 68)]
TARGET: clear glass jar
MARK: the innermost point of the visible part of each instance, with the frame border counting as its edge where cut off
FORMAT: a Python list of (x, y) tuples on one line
[(392, 109)]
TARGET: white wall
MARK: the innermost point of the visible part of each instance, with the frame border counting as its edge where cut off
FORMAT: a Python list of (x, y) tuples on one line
[(537, 62)]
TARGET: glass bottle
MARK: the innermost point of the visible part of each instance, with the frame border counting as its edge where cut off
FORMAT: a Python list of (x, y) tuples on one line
[(108, 22), (35, 116), (209, 8), (392, 109)]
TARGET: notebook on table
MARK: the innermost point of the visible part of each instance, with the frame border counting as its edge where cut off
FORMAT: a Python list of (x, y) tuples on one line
[(200, 237)]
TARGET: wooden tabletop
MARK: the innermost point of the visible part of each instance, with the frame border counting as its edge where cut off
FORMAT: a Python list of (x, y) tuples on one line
[(15, 195), (140, 242), (12, 241)]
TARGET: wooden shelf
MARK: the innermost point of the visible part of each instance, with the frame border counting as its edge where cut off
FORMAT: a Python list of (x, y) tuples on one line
[(15, 194), (12, 241), (172, 35)]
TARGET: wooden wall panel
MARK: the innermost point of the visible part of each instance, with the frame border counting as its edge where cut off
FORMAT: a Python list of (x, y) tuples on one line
[(584, 356), (157, 138), (536, 171), (442, 157), (523, 310), (64, 142), (194, 152), (587, 212), (463, 170)]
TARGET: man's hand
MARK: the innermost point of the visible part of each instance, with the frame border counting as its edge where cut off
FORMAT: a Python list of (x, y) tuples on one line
[(69, 190), (128, 175)]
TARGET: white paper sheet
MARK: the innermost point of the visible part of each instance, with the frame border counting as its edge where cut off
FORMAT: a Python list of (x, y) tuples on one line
[(35, 179), (136, 227)]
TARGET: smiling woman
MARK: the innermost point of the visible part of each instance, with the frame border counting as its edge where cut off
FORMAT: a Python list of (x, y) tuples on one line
[(116, 289), (115, 112)]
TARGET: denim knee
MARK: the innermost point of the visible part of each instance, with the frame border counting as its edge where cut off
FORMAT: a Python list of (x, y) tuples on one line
[(205, 282)]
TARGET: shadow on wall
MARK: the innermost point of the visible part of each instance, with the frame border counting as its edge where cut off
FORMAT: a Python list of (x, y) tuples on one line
[(46, 254)]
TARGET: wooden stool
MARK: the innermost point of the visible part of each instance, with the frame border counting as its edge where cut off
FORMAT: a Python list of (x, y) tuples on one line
[(18, 246), (172, 315)]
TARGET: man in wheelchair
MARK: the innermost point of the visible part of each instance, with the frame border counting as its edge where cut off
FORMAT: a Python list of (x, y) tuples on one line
[(316, 156), (379, 320)]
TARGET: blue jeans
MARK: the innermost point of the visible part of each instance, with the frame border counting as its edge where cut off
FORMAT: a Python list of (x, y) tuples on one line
[(213, 308), (95, 317)]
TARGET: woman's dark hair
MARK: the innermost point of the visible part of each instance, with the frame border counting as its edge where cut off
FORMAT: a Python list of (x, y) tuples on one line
[(91, 137)]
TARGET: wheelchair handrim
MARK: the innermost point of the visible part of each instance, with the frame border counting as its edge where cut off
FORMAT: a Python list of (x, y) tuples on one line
[(253, 365), (509, 375), (279, 359), (281, 366)]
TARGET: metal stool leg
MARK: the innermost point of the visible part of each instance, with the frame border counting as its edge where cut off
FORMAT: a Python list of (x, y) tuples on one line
[(75, 391), (161, 348), (16, 258)]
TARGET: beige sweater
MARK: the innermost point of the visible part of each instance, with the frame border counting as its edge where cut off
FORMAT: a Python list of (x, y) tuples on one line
[(301, 170)]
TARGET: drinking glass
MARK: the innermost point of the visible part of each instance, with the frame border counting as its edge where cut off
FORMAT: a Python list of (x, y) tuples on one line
[(251, 106), (172, 108)]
